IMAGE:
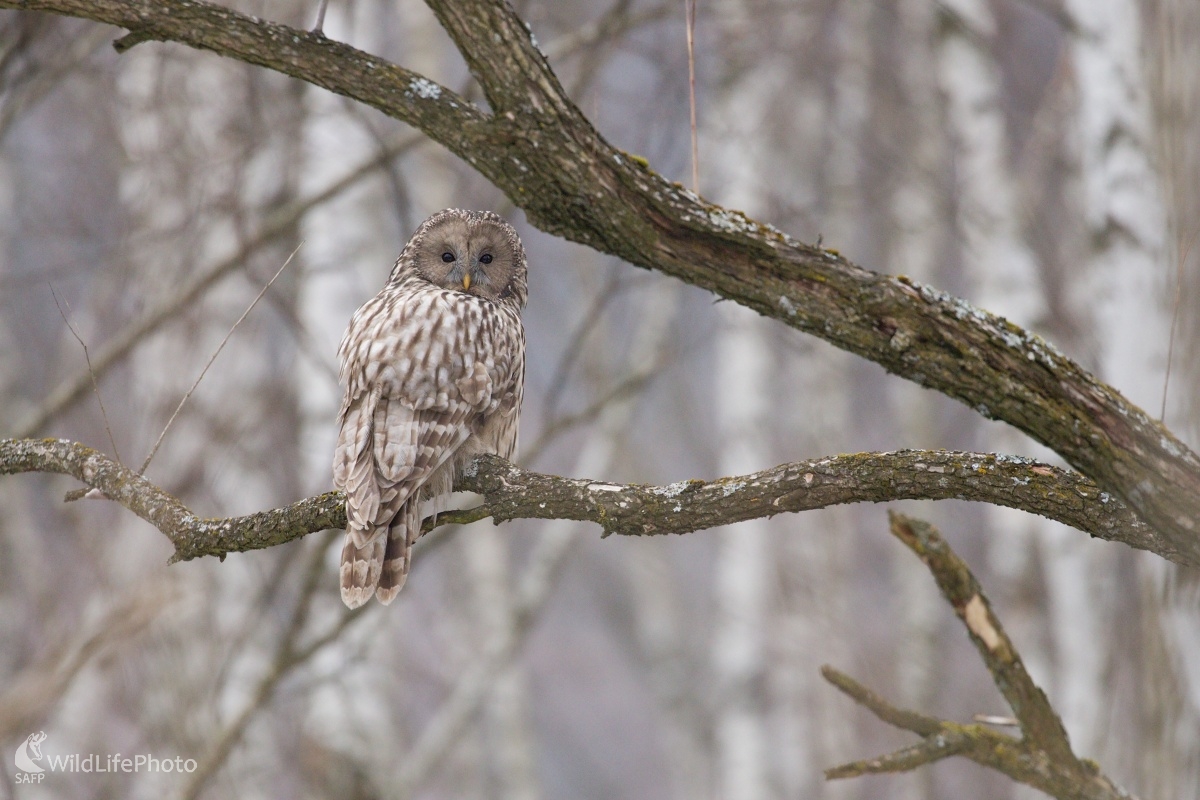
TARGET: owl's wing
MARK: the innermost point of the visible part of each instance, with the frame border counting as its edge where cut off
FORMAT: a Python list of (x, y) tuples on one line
[(500, 427), (415, 379)]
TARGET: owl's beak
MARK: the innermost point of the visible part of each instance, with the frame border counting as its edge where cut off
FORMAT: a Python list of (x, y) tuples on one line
[(467, 282)]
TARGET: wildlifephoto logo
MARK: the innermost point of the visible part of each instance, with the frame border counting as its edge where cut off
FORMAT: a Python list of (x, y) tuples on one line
[(33, 765)]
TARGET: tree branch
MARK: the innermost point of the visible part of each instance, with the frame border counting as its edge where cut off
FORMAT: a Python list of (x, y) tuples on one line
[(545, 155), (636, 510), (1042, 758), (1038, 720)]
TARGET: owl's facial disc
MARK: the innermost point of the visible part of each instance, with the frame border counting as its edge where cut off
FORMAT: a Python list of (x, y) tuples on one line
[(476, 259)]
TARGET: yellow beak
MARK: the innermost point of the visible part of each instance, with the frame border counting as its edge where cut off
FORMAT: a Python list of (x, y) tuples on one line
[(466, 282)]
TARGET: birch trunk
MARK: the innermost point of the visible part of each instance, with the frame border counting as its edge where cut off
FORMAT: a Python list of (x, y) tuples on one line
[(1170, 760), (744, 366), (1124, 296), (1004, 271), (1119, 295)]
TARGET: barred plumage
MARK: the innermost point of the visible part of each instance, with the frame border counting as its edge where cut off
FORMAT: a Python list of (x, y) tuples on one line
[(433, 367)]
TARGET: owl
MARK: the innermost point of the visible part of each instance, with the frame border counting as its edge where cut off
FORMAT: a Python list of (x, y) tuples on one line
[(434, 368)]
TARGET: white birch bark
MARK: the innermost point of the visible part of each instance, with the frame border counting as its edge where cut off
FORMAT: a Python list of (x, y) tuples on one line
[(352, 240), (1123, 294), (1004, 272), (764, 651), (742, 391), (507, 749), (1170, 758), (743, 372), (1004, 268), (350, 244), (1119, 295)]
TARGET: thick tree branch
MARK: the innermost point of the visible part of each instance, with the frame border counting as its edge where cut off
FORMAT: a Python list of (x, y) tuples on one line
[(1041, 758), (545, 155), (510, 492)]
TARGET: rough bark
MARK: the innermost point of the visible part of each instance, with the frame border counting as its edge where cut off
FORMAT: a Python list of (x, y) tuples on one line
[(633, 510)]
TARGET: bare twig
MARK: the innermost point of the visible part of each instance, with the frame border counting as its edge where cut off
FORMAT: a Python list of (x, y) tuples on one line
[(213, 357), (689, 10), (319, 26), (1175, 309), (615, 22), (627, 386), (1039, 722), (588, 321), (91, 372)]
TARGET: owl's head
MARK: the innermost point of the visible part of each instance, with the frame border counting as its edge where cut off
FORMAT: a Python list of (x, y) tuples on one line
[(475, 252)]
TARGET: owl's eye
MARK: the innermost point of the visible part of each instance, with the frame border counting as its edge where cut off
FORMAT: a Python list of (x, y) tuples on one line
[(486, 258), (447, 257)]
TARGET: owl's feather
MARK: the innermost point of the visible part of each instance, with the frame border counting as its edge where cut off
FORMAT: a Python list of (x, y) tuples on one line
[(433, 377)]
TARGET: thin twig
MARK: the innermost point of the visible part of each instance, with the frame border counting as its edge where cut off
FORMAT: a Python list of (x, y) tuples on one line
[(589, 321), (689, 8), (319, 27), (213, 358), (1175, 305), (91, 372), (558, 425)]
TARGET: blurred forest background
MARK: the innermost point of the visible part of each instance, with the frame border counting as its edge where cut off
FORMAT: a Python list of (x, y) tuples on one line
[(1039, 158)]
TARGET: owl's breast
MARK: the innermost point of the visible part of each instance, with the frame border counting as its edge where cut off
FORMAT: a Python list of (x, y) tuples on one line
[(433, 348)]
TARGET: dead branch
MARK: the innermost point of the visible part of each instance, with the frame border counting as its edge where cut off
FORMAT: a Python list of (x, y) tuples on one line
[(1041, 758)]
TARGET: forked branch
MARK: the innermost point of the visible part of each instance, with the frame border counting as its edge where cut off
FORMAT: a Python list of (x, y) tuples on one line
[(1041, 757)]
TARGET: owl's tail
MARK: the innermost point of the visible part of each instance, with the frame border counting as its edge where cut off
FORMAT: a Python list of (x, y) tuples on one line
[(380, 566), (361, 567)]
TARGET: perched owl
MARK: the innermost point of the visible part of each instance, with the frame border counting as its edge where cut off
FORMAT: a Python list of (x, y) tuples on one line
[(433, 367)]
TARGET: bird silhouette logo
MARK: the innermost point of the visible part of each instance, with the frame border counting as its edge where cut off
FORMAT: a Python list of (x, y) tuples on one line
[(29, 752)]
